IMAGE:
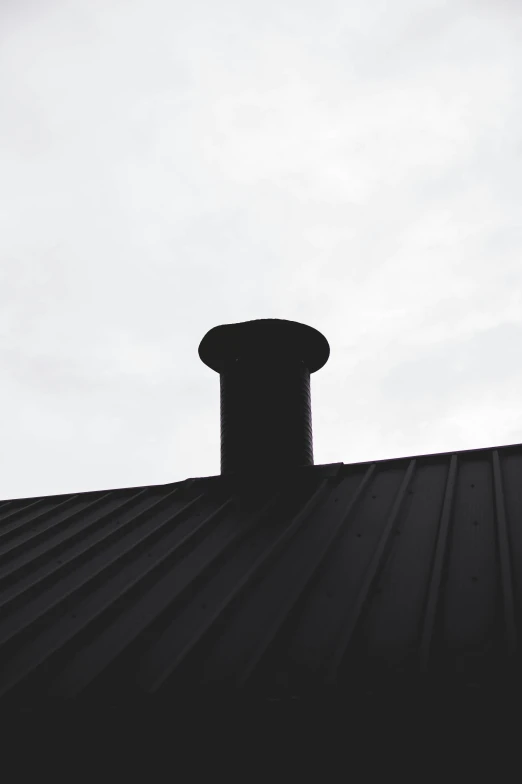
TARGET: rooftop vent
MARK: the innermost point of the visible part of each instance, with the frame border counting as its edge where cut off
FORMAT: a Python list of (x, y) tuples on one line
[(265, 367)]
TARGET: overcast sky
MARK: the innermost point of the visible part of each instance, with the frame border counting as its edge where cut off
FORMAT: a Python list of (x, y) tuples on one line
[(166, 167)]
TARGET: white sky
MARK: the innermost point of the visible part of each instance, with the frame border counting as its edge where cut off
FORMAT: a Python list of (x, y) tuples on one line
[(166, 167)]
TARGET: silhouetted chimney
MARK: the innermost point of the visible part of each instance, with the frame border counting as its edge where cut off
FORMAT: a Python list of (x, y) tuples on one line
[(265, 367)]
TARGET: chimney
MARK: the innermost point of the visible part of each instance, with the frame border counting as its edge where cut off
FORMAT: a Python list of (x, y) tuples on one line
[(264, 367)]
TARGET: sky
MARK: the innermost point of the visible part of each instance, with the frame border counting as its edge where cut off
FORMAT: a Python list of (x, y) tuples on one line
[(166, 167)]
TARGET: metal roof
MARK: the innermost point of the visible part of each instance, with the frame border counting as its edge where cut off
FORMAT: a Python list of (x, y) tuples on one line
[(332, 578)]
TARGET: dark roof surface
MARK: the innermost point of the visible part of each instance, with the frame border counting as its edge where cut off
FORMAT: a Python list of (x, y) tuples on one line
[(336, 576)]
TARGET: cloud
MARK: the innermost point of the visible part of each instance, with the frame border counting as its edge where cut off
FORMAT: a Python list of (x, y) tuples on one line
[(168, 168)]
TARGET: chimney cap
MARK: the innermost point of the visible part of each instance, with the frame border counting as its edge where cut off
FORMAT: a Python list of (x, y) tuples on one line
[(264, 339)]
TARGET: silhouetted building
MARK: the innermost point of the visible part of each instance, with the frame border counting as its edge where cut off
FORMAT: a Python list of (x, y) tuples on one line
[(312, 595)]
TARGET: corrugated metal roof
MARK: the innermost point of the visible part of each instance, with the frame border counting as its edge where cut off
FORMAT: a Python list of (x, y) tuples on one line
[(338, 577)]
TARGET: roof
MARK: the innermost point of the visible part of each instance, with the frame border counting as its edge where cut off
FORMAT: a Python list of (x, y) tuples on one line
[(333, 577)]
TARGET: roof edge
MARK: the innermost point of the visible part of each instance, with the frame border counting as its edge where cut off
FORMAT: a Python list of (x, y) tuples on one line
[(319, 469)]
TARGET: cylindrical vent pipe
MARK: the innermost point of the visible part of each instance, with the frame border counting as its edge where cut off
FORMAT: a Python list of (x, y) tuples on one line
[(265, 367)]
